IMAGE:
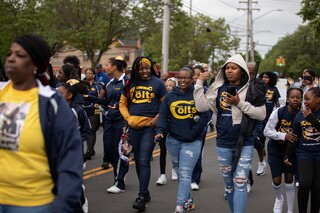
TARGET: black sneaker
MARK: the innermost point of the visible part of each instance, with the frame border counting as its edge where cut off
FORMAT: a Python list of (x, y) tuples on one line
[(88, 155), (105, 165), (140, 204), (148, 199)]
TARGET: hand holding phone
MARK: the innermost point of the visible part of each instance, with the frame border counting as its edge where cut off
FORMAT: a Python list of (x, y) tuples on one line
[(232, 90)]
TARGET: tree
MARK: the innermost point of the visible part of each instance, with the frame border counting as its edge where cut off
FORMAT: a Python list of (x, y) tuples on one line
[(298, 55), (310, 11), (17, 17), (90, 26), (190, 38)]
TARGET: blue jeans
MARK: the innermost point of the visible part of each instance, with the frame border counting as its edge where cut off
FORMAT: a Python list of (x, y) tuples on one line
[(184, 157), (25, 209), (142, 141), (236, 181)]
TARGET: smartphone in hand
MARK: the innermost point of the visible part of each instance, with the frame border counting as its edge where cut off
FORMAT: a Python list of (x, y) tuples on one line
[(232, 90)]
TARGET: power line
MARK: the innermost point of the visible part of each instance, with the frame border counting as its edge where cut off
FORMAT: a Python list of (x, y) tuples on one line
[(228, 4), (197, 10)]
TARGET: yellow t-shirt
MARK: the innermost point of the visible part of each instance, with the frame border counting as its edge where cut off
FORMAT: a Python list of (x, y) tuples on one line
[(25, 178)]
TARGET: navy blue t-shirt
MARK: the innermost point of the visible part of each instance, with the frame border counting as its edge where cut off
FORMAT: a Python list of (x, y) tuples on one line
[(145, 97), (284, 125), (308, 147), (227, 133), (272, 95)]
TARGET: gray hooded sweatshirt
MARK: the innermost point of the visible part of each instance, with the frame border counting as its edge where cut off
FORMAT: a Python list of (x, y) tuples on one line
[(207, 101)]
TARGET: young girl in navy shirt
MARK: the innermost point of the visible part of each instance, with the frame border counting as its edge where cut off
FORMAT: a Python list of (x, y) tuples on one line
[(307, 148), (279, 131)]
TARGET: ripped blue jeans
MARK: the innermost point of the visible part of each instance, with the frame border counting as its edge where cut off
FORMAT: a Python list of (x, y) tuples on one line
[(236, 181), (184, 157)]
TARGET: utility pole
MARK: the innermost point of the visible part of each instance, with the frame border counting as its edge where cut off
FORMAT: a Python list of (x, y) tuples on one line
[(249, 43), (190, 8), (165, 36)]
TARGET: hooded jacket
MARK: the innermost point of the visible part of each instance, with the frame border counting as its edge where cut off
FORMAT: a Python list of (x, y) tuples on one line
[(63, 147), (207, 101), (178, 116)]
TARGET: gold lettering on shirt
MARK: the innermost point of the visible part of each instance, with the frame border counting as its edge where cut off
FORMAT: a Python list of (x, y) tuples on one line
[(183, 109), (142, 94), (223, 104)]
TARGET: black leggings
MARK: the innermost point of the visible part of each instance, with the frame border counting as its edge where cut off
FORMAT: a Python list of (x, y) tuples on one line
[(309, 173), (163, 154)]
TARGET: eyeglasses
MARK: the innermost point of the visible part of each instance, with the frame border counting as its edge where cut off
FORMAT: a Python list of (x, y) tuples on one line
[(183, 78)]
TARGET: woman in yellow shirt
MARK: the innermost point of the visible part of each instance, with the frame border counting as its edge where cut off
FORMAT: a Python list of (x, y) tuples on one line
[(41, 166)]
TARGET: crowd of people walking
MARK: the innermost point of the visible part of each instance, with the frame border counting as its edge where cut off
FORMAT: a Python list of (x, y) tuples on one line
[(49, 126)]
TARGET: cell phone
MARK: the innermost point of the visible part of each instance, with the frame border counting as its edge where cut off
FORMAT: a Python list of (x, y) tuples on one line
[(307, 78), (232, 90)]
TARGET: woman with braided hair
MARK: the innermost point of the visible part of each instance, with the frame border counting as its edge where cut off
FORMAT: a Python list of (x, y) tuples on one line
[(139, 105)]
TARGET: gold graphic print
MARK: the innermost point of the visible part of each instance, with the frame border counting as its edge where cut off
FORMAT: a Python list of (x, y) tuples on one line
[(183, 109), (285, 126), (269, 95), (223, 104), (308, 132), (141, 94)]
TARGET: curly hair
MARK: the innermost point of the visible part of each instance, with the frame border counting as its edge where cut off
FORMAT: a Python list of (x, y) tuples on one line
[(273, 78)]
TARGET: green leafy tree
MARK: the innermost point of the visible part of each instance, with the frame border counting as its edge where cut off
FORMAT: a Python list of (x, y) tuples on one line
[(191, 38), (90, 26), (298, 55), (17, 17), (310, 11)]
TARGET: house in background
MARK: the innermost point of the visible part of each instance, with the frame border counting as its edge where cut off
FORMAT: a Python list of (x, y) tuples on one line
[(128, 49)]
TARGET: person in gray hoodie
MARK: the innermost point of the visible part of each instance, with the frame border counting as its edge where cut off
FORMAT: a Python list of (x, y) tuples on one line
[(237, 103)]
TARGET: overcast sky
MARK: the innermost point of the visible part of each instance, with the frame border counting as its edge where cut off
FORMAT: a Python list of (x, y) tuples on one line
[(277, 23)]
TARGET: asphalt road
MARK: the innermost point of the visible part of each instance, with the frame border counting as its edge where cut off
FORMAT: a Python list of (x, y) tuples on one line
[(208, 199)]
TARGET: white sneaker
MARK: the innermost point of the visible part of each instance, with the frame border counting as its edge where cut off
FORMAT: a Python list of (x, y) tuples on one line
[(261, 168), (248, 187), (115, 190), (162, 180), (194, 187), (278, 204), (179, 209), (85, 206), (174, 175)]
